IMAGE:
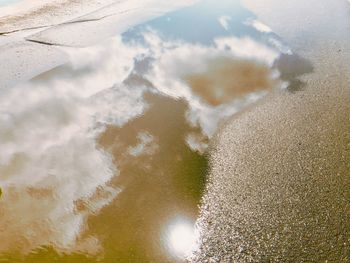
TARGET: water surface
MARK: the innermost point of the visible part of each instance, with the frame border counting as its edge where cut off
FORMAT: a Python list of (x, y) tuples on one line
[(151, 112)]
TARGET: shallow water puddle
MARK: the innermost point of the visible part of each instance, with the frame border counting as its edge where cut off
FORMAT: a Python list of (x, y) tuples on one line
[(116, 140)]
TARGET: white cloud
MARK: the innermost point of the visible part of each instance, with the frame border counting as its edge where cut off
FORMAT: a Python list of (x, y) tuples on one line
[(225, 22), (51, 170), (146, 145), (50, 165), (175, 61), (258, 26), (197, 142), (280, 46), (247, 48)]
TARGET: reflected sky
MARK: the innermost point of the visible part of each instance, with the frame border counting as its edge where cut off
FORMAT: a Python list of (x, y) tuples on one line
[(206, 21), (143, 110), (200, 23)]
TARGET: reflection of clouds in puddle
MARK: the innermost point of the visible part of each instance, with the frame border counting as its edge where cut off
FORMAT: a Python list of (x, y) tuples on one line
[(52, 173), (146, 145), (156, 187), (216, 81), (272, 39), (51, 137), (197, 142), (247, 48), (225, 22), (280, 46), (209, 118), (225, 79), (258, 25)]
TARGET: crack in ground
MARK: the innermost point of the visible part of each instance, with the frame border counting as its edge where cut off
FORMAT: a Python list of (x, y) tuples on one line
[(43, 42)]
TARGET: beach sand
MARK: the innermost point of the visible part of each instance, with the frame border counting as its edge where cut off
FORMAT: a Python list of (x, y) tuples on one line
[(279, 185)]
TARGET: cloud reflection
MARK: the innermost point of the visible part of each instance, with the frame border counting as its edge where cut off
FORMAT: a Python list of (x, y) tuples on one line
[(52, 173), (51, 138), (217, 81), (225, 22), (258, 25)]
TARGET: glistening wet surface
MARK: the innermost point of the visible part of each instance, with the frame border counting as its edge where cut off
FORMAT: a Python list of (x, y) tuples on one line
[(118, 138)]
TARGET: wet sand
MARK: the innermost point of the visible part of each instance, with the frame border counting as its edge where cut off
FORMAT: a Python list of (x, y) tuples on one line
[(279, 184)]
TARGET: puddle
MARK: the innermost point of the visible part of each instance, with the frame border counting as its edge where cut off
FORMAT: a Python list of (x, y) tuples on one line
[(118, 139)]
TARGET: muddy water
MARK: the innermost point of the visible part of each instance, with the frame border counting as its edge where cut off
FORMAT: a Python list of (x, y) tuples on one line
[(161, 190), (161, 187), (227, 79), (188, 71)]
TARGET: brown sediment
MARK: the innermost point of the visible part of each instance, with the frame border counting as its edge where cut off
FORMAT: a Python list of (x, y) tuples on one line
[(226, 79), (157, 186), (163, 182)]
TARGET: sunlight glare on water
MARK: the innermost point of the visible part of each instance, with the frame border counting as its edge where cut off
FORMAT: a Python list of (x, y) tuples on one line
[(181, 238)]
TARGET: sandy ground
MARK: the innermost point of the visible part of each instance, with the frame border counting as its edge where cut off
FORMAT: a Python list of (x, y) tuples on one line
[(280, 172)]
